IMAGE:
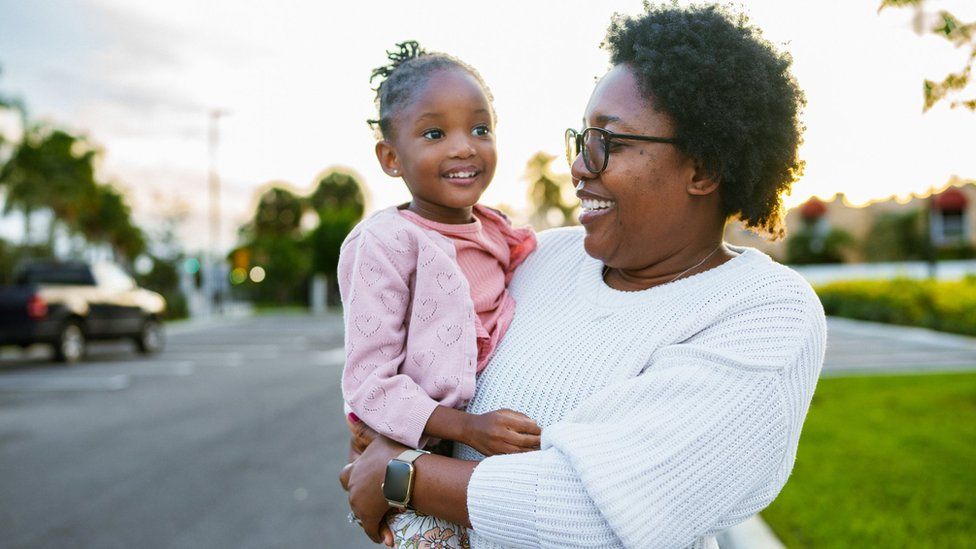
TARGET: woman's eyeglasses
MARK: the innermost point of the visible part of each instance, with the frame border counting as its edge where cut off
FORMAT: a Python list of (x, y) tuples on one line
[(594, 143)]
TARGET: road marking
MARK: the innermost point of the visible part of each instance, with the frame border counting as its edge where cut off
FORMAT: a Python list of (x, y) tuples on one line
[(142, 369), (43, 383), (213, 355), (207, 347)]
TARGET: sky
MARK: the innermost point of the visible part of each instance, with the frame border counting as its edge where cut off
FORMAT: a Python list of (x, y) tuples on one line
[(139, 78)]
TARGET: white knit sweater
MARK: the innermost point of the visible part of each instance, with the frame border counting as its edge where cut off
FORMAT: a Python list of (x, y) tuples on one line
[(668, 414)]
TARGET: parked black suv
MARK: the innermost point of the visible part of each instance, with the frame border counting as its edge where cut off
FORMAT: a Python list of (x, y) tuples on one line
[(67, 304)]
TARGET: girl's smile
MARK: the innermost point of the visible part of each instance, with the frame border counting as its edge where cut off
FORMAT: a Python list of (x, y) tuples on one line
[(462, 175)]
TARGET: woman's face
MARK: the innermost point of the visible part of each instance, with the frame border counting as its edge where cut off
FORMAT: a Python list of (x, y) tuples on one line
[(644, 184)]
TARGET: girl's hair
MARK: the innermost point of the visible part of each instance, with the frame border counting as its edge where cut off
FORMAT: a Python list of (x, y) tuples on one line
[(731, 94), (404, 77)]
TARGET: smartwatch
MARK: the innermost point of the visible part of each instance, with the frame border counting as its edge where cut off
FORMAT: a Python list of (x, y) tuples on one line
[(398, 484)]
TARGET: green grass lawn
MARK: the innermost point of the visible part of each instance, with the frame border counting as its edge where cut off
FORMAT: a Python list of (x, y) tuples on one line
[(884, 462)]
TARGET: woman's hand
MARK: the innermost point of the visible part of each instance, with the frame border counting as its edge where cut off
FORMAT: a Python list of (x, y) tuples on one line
[(501, 432), (362, 479)]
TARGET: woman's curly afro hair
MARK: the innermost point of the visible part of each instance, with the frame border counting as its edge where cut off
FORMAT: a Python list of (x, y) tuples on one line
[(731, 95)]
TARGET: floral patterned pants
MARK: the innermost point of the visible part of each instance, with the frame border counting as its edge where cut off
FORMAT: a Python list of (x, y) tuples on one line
[(413, 530)]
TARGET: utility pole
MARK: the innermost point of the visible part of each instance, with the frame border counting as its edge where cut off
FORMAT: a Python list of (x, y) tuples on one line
[(212, 279)]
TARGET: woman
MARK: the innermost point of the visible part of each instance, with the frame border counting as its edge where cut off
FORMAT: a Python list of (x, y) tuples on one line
[(671, 373)]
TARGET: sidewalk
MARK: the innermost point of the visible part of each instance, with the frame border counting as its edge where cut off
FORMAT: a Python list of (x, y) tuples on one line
[(856, 347)]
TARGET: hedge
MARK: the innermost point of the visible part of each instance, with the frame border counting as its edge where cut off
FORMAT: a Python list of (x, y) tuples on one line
[(939, 305)]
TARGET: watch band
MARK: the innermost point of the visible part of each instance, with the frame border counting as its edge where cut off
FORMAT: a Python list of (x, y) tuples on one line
[(411, 455)]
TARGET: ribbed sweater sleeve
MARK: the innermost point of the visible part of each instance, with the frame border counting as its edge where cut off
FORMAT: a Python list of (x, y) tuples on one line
[(702, 438)]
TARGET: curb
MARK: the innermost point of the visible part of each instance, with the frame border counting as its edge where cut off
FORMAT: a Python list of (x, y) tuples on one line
[(753, 533)]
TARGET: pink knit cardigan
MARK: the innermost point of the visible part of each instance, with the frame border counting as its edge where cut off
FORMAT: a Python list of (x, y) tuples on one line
[(409, 321)]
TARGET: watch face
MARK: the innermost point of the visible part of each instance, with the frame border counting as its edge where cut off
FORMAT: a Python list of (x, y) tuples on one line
[(396, 485)]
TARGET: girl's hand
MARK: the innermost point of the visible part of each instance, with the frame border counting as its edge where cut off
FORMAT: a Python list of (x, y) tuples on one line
[(501, 432), (362, 479), (362, 435)]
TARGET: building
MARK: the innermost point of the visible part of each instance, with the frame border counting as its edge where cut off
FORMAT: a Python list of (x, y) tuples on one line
[(952, 224)]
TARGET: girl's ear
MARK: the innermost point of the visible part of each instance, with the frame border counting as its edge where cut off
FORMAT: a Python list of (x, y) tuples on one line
[(387, 156), (702, 182)]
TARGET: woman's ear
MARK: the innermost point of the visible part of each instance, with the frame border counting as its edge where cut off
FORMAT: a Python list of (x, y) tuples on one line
[(387, 156), (703, 182)]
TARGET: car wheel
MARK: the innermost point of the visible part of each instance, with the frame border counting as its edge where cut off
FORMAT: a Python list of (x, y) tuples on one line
[(71, 343), (151, 337)]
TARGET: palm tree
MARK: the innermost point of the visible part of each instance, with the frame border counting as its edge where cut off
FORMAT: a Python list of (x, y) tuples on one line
[(21, 176), (50, 169)]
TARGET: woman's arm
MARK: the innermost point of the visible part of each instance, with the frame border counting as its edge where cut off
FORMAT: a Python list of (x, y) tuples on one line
[(440, 486)]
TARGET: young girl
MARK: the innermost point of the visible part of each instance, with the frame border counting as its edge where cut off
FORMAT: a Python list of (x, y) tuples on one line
[(423, 285)]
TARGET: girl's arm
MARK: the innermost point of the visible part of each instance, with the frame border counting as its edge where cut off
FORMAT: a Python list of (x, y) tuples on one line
[(376, 298), (492, 433)]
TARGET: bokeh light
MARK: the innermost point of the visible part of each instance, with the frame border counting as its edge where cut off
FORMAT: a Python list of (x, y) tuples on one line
[(257, 274), (238, 275), (191, 265)]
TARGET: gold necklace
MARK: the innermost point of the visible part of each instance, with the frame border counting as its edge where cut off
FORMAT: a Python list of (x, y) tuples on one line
[(606, 268)]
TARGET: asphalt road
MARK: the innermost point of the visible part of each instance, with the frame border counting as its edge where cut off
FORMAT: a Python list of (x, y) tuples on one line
[(232, 437)]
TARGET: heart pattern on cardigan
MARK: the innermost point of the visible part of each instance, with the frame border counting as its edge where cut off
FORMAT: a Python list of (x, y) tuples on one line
[(449, 282), (391, 349), (392, 301), (375, 400), (367, 324), (449, 334), (369, 273), (426, 309), (360, 372), (428, 253), (444, 383), (401, 242), (424, 359)]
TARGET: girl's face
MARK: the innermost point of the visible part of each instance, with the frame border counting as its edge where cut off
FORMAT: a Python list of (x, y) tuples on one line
[(443, 145), (642, 211)]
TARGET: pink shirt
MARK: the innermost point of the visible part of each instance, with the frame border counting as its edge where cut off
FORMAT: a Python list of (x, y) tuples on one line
[(411, 326), (483, 254)]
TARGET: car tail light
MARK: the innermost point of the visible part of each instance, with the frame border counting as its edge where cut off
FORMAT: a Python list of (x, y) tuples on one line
[(36, 307)]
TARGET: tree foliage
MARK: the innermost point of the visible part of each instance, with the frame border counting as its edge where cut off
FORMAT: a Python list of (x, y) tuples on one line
[(961, 35), (276, 240), (54, 170), (898, 236), (550, 208), (339, 203), (817, 244)]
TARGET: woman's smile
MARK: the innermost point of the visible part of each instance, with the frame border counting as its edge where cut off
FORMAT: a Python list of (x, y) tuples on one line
[(593, 208)]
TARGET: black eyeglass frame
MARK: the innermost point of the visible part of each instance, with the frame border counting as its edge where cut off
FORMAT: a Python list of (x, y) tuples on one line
[(574, 137)]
